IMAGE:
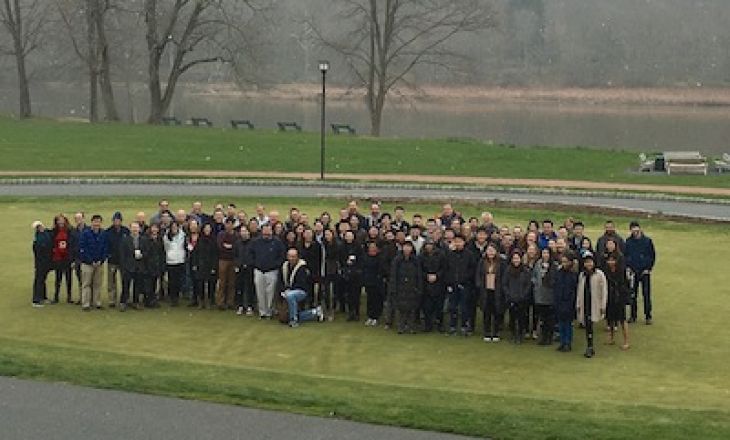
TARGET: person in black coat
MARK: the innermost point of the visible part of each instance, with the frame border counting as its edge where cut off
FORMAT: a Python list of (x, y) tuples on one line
[(42, 257), (203, 255), (618, 298), (132, 250), (459, 280), (311, 251), (406, 284), (640, 258), (433, 266), (155, 266), (373, 275), (489, 284), (516, 286), (564, 291), (350, 259), (245, 294), (331, 260)]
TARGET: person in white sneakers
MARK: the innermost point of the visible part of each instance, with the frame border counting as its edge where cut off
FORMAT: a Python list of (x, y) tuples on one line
[(295, 277)]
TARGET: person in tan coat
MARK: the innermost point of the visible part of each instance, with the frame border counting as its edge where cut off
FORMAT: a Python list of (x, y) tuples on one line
[(591, 299)]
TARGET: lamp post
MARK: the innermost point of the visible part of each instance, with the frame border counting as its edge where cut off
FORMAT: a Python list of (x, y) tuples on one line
[(323, 67)]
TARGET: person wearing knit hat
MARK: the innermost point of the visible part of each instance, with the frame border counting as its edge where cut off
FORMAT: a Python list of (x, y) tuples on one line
[(42, 256), (591, 298), (114, 235)]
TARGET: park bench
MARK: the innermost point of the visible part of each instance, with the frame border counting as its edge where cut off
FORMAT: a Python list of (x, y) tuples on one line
[(646, 164), (288, 126), (685, 162), (342, 128), (170, 120), (723, 164), (240, 123), (201, 122)]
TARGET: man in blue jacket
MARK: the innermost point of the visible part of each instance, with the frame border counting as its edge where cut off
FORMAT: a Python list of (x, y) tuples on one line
[(640, 258), (93, 254)]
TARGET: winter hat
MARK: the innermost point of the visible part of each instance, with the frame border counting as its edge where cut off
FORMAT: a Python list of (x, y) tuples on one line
[(588, 256), (117, 216), (35, 224)]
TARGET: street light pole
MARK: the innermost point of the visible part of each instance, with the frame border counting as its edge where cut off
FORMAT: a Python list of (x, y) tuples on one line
[(323, 67)]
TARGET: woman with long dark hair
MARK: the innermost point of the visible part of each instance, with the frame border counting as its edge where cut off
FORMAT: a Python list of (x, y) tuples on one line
[(61, 256), (203, 253), (174, 242), (516, 287)]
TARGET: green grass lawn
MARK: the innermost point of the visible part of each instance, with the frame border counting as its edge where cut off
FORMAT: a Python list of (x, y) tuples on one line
[(49, 145), (673, 383)]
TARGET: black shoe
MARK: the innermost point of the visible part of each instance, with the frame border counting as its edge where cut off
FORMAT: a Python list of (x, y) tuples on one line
[(648, 321), (632, 320), (589, 352), (569, 347), (561, 348), (99, 307)]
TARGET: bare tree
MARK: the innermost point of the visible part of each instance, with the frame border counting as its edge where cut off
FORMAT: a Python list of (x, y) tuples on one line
[(24, 21), (388, 38), (193, 33), (93, 49)]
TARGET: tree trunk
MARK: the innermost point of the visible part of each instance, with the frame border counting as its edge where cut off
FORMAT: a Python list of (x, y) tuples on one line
[(92, 59), (156, 110), (23, 87), (107, 93)]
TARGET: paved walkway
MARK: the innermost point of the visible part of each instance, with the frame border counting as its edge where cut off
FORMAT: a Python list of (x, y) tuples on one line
[(38, 410), (432, 179), (711, 211)]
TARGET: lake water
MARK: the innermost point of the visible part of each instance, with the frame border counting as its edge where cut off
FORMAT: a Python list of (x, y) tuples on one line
[(639, 128)]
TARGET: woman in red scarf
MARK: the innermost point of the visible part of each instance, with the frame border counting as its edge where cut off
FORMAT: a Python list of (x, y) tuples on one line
[(61, 255)]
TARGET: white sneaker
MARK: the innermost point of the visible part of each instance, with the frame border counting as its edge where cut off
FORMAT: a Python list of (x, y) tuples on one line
[(487, 339), (368, 322), (37, 305), (249, 311), (320, 314), (239, 312), (495, 339), (374, 323)]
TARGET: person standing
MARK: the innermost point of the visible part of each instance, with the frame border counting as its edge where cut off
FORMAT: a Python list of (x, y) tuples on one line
[(154, 263), (132, 252), (640, 258), (543, 277), (406, 283), (433, 265), (267, 254), (226, 267), (609, 229), (61, 256), (80, 226), (373, 274), (516, 286), (489, 284), (591, 299), (245, 294), (564, 290), (459, 280), (331, 270), (351, 259), (42, 257), (618, 297), (114, 235), (203, 254), (174, 242), (93, 254)]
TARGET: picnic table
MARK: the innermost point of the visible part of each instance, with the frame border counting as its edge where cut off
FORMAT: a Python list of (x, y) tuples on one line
[(685, 161)]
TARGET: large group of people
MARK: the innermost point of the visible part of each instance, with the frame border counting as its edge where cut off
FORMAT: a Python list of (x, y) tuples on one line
[(423, 274)]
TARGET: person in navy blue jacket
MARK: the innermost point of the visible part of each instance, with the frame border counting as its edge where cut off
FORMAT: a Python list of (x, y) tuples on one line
[(564, 290), (42, 254), (92, 253), (640, 258)]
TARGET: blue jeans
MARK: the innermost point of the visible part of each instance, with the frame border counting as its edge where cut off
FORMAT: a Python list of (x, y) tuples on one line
[(566, 332), (293, 298), (458, 303)]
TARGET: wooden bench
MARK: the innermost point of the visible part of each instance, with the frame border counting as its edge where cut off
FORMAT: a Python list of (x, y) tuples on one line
[(685, 161), (342, 128), (201, 122), (170, 120), (240, 123), (289, 126), (723, 164)]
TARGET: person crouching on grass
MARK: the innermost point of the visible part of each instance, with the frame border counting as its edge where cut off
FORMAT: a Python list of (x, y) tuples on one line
[(592, 295), (618, 298), (296, 279)]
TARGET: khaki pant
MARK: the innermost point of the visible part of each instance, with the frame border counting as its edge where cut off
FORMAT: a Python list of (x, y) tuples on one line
[(226, 283), (267, 284), (91, 285), (111, 281)]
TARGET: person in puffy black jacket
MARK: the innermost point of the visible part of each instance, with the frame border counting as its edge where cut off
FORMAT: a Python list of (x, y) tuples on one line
[(489, 284), (459, 278), (406, 284), (351, 259), (516, 287), (373, 275), (203, 256), (245, 293), (155, 266), (433, 267), (42, 256), (565, 285)]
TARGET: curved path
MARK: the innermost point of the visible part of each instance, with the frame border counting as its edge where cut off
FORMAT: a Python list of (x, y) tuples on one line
[(681, 209), (38, 410), (395, 178)]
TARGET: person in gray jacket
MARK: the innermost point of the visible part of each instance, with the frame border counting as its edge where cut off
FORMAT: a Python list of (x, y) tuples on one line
[(543, 273)]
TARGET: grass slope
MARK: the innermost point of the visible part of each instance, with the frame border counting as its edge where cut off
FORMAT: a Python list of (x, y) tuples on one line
[(50, 145), (671, 384)]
